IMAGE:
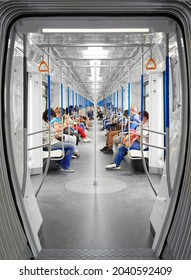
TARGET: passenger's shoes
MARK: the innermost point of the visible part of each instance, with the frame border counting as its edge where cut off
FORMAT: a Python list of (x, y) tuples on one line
[(102, 129), (75, 154), (108, 151), (104, 149), (86, 140), (69, 170), (112, 166)]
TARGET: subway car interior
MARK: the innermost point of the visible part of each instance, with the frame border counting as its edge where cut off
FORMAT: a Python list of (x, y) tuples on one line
[(91, 63)]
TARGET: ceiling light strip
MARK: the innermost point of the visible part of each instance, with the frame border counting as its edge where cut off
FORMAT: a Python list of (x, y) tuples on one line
[(94, 30)]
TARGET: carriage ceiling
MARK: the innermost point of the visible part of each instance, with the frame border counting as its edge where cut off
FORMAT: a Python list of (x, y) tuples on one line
[(82, 53)]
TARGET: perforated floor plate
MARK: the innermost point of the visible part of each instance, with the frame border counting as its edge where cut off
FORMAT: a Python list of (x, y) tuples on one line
[(97, 254)]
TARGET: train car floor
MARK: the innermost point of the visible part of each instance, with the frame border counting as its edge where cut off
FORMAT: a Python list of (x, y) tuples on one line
[(112, 215)]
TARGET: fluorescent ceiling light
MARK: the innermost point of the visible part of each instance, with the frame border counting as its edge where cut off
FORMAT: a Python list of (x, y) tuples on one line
[(94, 30), (94, 52)]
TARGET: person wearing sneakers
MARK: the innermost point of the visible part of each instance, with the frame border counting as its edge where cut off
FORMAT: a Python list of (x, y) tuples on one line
[(122, 150), (111, 135), (56, 144)]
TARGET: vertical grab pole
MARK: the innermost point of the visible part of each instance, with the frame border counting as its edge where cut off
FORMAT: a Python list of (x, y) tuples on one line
[(49, 114), (167, 116), (129, 95), (68, 100), (76, 101), (80, 100), (122, 99), (113, 98), (73, 99), (129, 105), (129, 98), (122, 107), (25, 112), (61, 97), (142, 97), (117, 100), (49, 91), (142, 117), (95, 126), (61, 107)]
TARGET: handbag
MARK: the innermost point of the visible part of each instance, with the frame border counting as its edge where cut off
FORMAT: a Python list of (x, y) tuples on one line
[(72, 133), (133, 137)]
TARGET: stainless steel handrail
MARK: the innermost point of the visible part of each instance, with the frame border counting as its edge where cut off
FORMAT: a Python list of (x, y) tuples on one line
[(154, 131), (154, 146), (49, 154), (36, 132), (25, 112), (37, 147), (144, 162), (47, 164)]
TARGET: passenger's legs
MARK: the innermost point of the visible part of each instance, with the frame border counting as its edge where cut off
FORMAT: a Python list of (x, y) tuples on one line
[(121, 151), (80, 131), (68, 149), (135, 146), (110, 136), (117, 140)]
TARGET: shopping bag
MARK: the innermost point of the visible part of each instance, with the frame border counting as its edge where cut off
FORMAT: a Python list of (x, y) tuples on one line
[(133, 137)]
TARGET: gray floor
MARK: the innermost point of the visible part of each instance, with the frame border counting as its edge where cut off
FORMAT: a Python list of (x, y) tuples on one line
[(113, 215)]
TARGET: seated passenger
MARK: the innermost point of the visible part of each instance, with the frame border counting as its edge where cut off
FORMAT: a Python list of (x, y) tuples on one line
[(134, 121), (56, 122), (91, 114), (117, 139), (107, 119), (70, 122), (85, 121), (59, 127), (122, 149), (100, 114), (114, 120), (57, 145)]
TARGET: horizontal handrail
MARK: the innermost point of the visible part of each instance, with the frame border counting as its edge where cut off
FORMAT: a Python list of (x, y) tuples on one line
[(37, 132), (157, 147), (154, 131), (37, 147)]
